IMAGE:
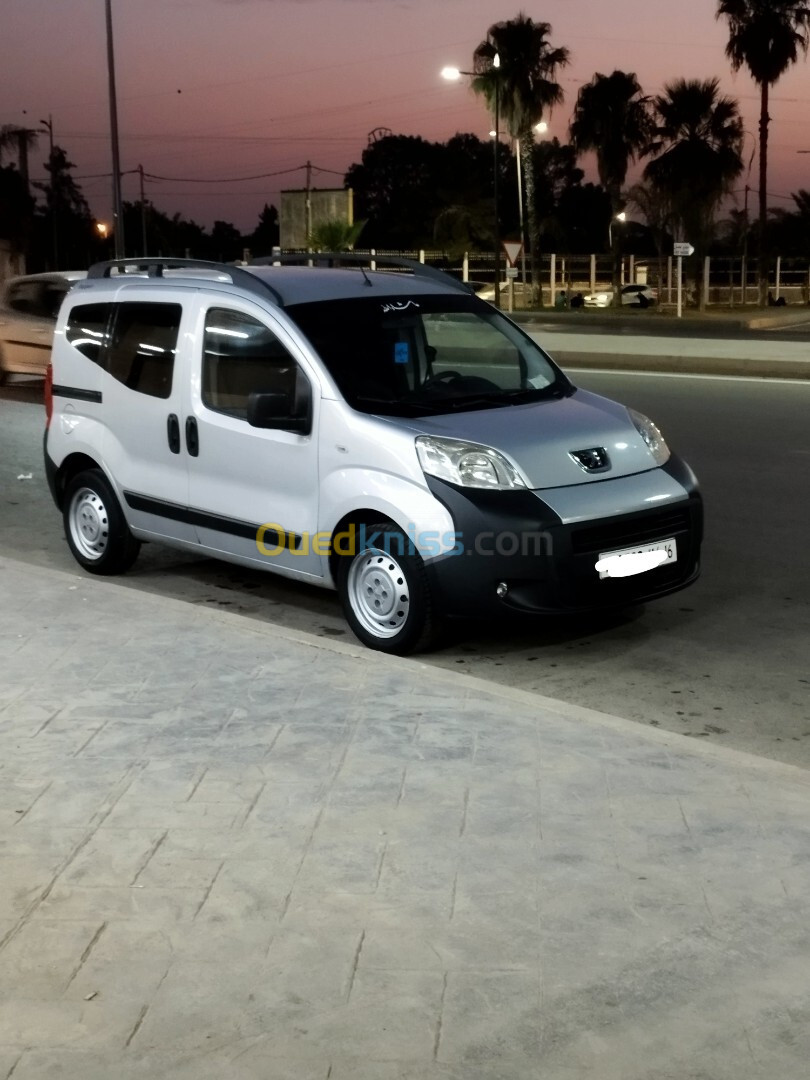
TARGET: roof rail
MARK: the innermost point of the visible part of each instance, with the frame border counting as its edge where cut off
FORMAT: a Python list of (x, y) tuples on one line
[(154, 267), (331, 258)]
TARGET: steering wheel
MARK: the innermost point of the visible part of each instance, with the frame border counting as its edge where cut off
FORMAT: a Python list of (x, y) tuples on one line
[(446, 376)]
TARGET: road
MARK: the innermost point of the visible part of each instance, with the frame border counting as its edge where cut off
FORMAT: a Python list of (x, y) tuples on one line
[(725, 661)]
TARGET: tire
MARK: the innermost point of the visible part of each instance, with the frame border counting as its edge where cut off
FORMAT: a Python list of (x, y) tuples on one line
[(385, 593), (96, 532)]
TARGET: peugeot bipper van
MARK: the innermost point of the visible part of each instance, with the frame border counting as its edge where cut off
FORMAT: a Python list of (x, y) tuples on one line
[(381, 432)]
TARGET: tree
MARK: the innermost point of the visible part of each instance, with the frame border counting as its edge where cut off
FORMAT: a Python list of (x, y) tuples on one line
[(766, 36), (22, 140), (16, 203), (791, 228), (612, 117), (266, 234), (465, 219), (67, 222), (695, 156), (394, 190), (16, 209), (335, 235), (226, 244), (524, 81)]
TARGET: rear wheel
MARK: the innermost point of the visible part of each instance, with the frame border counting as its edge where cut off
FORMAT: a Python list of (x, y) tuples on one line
[(96, 531), (385, 593)]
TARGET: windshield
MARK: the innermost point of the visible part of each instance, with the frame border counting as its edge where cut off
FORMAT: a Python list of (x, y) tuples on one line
[(419, 355)]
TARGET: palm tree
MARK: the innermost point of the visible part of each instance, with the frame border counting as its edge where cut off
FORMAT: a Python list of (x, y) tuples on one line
[(612, 117), (695, 156), (524, 84), (335, 234), (766, 36)]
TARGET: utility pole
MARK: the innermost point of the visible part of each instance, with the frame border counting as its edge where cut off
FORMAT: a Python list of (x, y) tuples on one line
[(496, 63), (118, 212), (54, 198), (143, 213), (309, 206)]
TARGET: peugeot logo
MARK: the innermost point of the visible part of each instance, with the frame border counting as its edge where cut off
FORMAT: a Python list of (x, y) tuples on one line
[(595, 459)]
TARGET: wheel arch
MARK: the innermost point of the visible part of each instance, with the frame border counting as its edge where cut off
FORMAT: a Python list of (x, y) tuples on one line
[(70, 467), (362, 516)]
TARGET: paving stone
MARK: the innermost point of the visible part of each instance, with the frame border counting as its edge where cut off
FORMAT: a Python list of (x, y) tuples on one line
[(250, 855)]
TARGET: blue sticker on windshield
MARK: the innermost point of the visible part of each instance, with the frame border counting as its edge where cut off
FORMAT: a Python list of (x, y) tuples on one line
[(401, 352)]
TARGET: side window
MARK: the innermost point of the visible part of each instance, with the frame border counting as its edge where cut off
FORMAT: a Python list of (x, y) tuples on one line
[(27, 298), (242, 356), (87, 330), (52, 296), (143, 347)]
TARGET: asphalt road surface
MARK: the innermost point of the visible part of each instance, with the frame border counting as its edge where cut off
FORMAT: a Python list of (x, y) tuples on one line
[(726, 660)]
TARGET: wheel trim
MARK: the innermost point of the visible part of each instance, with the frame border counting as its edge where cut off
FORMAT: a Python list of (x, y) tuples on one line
[(89, 523), (378, 593)]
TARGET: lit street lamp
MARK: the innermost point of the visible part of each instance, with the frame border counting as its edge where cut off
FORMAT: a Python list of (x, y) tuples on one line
[(618, 217), (453, 74), (118, 212)]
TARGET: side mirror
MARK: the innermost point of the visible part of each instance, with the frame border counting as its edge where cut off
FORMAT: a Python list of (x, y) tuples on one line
[(279, 412)]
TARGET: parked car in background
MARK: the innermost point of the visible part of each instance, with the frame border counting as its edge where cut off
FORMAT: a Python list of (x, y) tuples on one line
[(632, 296), (28, 309)]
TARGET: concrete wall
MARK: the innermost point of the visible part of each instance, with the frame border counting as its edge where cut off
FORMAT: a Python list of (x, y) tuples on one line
[(327, 204)]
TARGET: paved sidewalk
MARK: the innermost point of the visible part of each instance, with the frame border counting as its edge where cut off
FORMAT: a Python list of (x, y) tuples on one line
[(234, 852), (640, 342)]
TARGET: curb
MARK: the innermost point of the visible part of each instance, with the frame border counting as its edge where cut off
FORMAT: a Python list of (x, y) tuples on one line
[(476, 687), (686, 365)]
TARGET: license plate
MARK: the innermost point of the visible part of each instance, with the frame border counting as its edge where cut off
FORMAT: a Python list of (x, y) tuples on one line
[(636, 560)]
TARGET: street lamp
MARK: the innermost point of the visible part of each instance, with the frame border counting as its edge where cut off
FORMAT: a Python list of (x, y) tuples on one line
[(453, 74), (622, 216), (118, 213)]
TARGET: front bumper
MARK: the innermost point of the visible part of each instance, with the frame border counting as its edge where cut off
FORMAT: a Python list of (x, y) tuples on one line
[(547, 560)]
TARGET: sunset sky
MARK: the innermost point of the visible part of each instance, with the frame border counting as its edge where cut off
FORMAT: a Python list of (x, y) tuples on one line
[(228, 89)]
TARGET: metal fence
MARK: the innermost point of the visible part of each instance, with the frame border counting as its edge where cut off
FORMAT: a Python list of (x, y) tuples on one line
[(726, 280)]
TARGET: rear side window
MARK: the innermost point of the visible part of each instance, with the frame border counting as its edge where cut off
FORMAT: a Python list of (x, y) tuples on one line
[(143, 347), (242, 356), (28, 297), (87, 330)]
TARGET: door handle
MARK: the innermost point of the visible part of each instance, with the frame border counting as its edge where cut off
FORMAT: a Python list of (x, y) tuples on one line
[(192, 438), (173, 432)]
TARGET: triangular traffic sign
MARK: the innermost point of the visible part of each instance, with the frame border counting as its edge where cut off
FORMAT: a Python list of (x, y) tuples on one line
[(513, 251)]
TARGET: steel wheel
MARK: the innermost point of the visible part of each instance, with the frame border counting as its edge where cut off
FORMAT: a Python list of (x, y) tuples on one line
[(89, 523), (379, 593), (385, 594), (95, 528)]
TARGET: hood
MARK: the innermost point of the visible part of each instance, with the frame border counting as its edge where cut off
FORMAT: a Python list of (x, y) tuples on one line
[(540, 437)]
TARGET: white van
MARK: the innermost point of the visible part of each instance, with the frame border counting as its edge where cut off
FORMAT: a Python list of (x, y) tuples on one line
[(380, 432)]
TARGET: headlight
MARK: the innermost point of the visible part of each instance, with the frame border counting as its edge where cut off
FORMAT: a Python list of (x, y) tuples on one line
[(466, 464), (649, 432)]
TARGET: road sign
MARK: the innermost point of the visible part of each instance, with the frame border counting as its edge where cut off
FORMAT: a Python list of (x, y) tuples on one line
[(513, 251), (679, 250), (511, 272)]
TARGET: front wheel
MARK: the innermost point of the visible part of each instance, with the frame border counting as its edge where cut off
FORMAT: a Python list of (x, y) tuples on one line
[(385, 593), (97, 533)]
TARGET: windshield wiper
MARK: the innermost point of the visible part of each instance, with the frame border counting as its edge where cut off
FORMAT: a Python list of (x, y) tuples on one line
[(396, 406), (534, 393)]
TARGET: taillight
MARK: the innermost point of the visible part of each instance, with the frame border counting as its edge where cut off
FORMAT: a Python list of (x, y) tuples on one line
[(48, 396)]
